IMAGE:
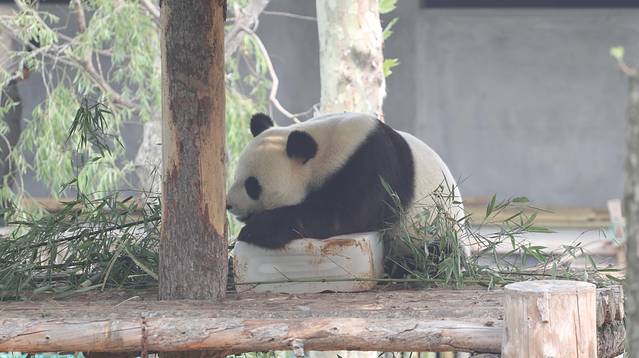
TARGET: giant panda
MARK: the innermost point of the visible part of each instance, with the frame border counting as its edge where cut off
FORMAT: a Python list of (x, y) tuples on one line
[(323, 177)]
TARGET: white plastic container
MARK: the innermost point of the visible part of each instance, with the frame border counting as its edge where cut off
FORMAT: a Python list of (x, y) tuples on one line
[(348, 263)]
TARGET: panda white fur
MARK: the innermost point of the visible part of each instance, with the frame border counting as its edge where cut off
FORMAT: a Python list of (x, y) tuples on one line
[(321, 178)]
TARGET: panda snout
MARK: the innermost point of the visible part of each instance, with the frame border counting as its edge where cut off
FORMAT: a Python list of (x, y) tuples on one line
[(229, 207)]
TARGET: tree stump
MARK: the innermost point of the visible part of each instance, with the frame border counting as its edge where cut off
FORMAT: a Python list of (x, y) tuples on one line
[(550, 319)]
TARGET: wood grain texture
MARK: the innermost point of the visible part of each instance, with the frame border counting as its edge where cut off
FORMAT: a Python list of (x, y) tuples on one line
[(397, 320), (550, 319), (610, 305), (424, 320), (611, 339), (611, 330), (193, 247)]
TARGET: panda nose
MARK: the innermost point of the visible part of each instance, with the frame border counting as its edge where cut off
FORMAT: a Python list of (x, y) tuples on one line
[(229, 207)]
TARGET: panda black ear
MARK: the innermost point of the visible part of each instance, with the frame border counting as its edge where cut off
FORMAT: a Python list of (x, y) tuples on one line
[(259, 123), (301, 145)]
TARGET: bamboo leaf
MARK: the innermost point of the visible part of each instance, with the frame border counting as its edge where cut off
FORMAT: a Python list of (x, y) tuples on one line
[(491, 206)]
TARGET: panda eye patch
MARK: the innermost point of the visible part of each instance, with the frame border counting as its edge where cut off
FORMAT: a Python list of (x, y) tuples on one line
[(253, 188)]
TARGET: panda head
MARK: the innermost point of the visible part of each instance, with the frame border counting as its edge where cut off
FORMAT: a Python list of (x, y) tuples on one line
[(273, 170)]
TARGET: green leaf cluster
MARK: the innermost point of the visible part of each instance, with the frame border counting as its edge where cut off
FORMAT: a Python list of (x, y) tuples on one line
[(428, 247), (385, 7), (106, 233)]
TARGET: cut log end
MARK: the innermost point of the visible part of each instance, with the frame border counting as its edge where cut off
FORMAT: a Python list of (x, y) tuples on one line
[(550, 319), (554, 287)]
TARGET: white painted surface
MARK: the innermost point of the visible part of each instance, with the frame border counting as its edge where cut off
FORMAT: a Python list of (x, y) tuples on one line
[(349, 259)]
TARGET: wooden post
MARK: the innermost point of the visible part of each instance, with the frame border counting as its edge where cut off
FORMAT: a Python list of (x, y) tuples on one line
[(549, 319), (193, 247)]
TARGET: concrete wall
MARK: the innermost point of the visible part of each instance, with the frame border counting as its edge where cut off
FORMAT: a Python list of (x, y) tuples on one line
[(516, 101), (527, 102)]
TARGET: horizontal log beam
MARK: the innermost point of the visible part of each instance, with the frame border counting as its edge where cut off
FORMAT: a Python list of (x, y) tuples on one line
[(243, 335), (385, 320)]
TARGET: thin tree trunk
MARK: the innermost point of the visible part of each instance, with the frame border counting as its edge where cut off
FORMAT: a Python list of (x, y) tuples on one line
[(351, 57), (631, 212)]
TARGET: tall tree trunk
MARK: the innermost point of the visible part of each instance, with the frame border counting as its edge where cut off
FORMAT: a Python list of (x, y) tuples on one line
[(351, 57), (193, 246), (631, 213)]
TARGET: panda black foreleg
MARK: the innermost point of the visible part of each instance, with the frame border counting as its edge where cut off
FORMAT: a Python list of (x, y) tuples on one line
[(271, 229), (275, 228)]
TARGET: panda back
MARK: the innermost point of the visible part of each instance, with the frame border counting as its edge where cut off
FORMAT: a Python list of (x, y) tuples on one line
[(430, 172), (339, 136)]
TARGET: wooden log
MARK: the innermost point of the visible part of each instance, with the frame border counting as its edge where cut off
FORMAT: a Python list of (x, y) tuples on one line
[(611, 330), (244, 335), (194, 354), (199, 354), (112, 321), (549, 319), (401, 304), (611, 339), (610, 305)]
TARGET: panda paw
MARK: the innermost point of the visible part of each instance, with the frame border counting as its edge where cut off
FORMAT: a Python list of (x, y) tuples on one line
[(262, 230)]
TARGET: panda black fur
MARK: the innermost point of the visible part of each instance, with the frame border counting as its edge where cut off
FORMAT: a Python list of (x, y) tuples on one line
[(321, 178)]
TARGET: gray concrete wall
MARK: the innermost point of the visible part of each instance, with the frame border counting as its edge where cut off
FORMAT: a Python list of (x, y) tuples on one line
[(516, 101), (526, 102), (294, 50)]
